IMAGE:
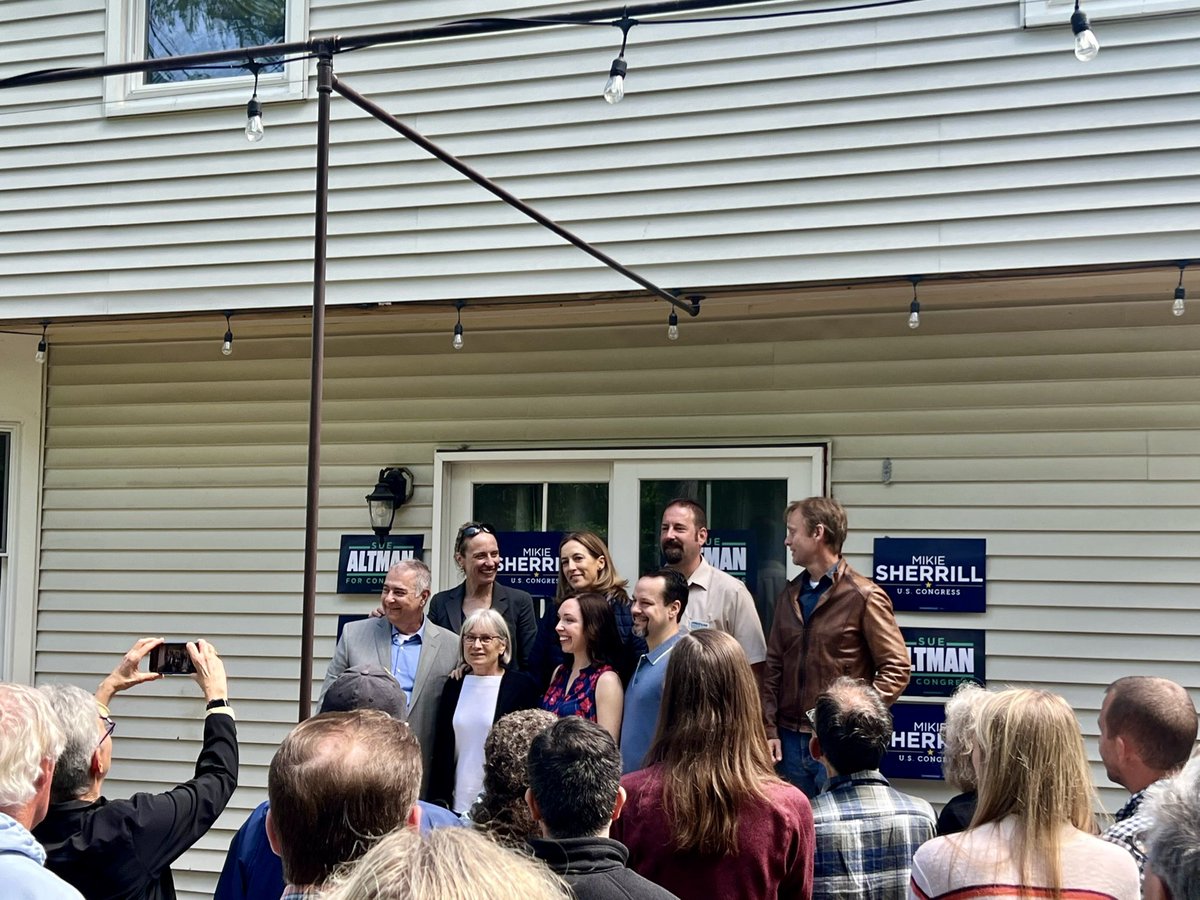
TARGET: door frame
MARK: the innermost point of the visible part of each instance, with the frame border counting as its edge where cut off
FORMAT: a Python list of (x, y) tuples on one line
[(625, 463)]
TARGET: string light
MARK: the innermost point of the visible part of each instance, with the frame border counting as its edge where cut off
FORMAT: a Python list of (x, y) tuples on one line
[(1180, 294), (457, 341), (914, 308), (40, 356), (254, 123), (614, 88), (1086, 45), (227, 344), (673, 326)]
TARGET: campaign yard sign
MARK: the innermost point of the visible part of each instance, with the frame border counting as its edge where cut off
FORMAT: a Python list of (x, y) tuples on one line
[(943, 658), (529, 561), (917, 745), (732, 551), (364, 560), (933, 574)]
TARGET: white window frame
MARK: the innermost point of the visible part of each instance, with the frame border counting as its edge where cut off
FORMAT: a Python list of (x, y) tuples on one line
[(710, 462), (1036, 13), (125, 26)]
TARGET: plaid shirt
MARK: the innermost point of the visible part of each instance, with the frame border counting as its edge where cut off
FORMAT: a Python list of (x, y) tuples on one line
[(867, 833), (1129, 831)]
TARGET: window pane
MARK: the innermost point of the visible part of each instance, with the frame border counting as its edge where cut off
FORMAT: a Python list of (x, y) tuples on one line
[(751, 509), (578, 507), (177, 27), (509, 507)]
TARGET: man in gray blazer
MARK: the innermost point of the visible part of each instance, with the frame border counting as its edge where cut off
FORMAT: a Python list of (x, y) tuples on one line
[(418, 653)]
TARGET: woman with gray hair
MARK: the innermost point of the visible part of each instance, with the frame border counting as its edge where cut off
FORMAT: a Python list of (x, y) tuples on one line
[(958, 735), (469, 706)]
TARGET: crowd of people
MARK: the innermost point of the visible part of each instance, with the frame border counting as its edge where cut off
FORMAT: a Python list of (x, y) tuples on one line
[(650, 744)]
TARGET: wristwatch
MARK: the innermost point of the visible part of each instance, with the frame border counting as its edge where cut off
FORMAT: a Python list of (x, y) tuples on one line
[(216, 703)]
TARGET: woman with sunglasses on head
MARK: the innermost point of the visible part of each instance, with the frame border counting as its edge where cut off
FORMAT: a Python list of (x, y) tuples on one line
[(471, 705), (585, 566), (587, 684), (478, 557)]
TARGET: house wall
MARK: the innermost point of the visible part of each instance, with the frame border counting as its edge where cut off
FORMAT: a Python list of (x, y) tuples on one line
[(1067, 436), (919, 139)]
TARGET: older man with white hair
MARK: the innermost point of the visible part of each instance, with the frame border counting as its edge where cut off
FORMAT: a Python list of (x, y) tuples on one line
[(30, 741), (1173, 860)]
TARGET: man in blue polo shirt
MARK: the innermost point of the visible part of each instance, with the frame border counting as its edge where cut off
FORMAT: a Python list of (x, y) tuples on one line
[(659, 600)]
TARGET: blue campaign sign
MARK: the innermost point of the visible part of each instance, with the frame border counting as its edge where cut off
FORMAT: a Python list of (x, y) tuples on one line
[(346, 619), (943, 658), (529, 561), (916, 750), (933, 574), (732, 551), (364, 560)]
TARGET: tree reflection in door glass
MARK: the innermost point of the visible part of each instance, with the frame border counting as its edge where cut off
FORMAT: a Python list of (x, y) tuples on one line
[(577, 507), (752, 507), (509, 507)]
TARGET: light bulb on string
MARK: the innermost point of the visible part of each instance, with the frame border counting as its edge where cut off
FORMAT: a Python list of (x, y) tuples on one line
[(227, 343), (673, 326), (40, 356), (457, 341), (254, 122), (614, 88), (1177, 308), (914, 308), (1086, 44)]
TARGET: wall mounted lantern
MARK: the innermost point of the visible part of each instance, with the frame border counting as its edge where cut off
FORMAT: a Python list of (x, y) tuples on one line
[(393, 490)]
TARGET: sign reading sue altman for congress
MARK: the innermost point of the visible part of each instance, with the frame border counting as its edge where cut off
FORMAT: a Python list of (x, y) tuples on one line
[(364, 561), (932, 574), (917, 745), (943, 658)]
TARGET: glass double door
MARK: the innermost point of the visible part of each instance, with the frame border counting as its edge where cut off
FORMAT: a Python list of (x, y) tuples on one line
[(621, 496)]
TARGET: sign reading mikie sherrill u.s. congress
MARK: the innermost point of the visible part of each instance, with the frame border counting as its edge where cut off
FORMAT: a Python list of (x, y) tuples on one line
[(933, 574)]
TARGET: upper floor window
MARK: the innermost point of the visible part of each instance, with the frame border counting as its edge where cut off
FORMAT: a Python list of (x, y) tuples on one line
[(1058, 12), (177, 27), (153, 29)]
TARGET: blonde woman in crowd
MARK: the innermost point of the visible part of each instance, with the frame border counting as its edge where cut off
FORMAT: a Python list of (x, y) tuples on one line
[(1034, 832), (450, 864), (708, 817)]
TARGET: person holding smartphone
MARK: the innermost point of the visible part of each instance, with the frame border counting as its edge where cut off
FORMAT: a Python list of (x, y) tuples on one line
[(124, 848)]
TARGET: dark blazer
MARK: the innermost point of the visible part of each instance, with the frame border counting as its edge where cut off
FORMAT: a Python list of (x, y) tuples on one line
[(446, 609), (517, 691)]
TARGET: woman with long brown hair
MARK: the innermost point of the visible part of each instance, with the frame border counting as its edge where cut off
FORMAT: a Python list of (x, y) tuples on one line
[(586, 684), (586, 566), (1033, 833), (709, 817)]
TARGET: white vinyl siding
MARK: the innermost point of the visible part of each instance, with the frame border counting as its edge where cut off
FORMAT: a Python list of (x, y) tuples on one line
[(927, 138), (174, 495)]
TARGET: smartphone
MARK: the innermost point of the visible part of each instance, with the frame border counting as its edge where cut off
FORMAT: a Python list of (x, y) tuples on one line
[(171, 659)]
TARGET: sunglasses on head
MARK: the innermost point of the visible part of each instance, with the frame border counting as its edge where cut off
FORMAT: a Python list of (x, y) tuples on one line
[(471, 530)]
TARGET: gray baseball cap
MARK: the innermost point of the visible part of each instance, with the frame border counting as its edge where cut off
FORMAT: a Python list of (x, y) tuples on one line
[(366, 687)]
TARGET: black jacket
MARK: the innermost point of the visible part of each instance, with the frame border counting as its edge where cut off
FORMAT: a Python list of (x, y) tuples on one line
[(596, 869), (517, 691), (446, 609), (118, 849)]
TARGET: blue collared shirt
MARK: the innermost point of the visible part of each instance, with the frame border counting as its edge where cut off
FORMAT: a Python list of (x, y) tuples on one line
[(406, 654), (643, 696), (810, 593)]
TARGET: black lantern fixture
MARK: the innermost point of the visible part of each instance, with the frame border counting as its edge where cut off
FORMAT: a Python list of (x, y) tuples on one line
[(393, 490)]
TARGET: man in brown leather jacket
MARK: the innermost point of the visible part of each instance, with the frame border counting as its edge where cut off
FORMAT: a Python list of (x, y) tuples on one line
[(830, 621)]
